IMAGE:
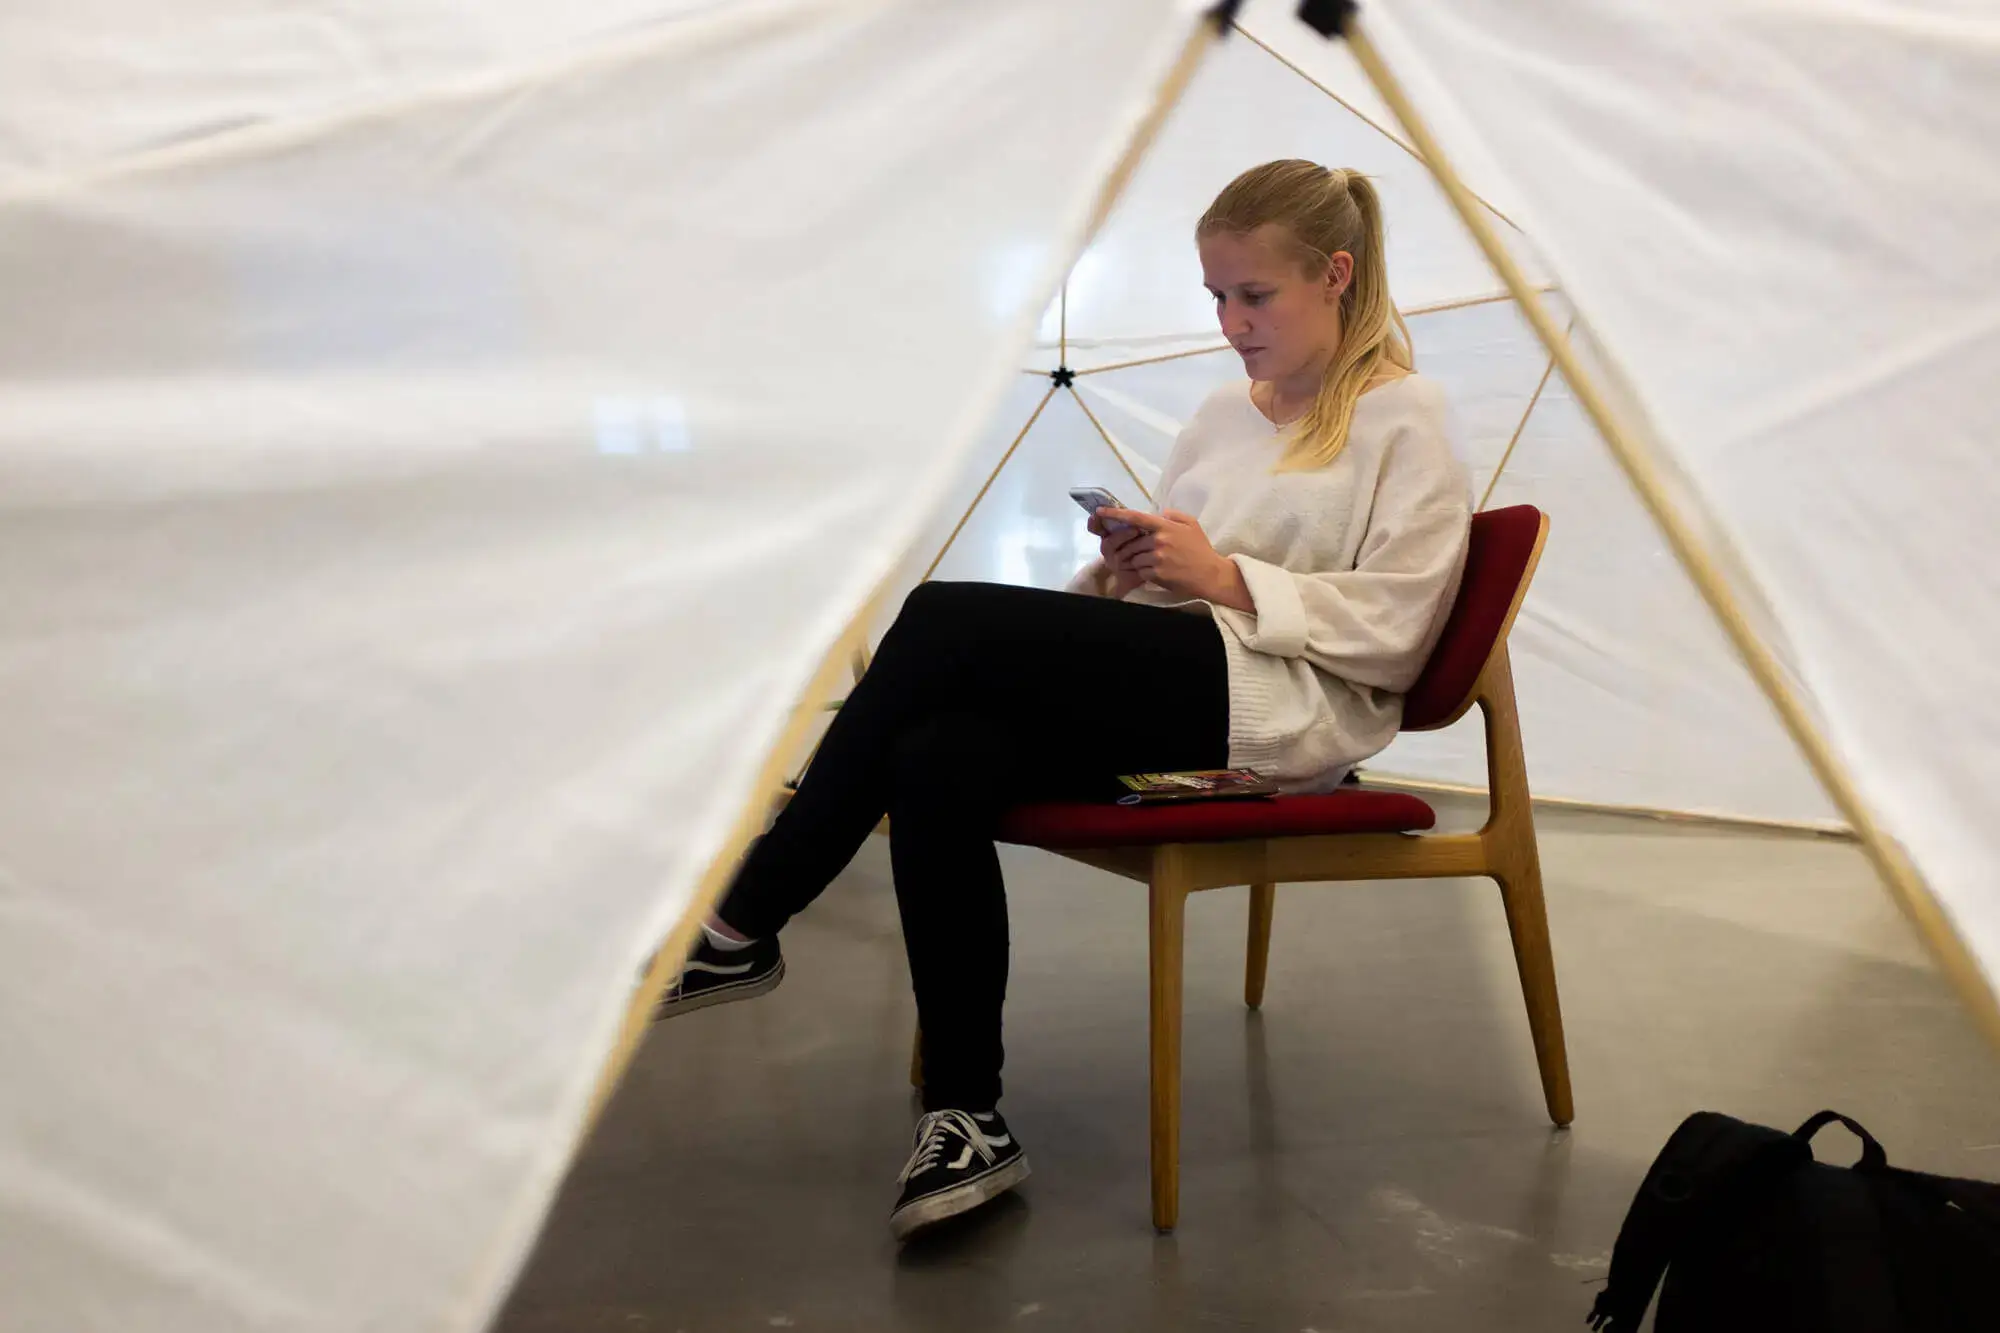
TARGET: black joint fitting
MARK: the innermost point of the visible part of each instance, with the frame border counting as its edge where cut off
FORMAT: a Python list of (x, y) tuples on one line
[(1328, 18)]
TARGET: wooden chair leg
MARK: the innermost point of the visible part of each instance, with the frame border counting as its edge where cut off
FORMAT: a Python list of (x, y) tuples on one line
[(1257, 950), (917, 1060), (1528, 922), (1168, 900), (1516, 866)]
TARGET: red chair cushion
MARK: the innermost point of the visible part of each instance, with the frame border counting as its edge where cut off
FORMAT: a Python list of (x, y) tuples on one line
[(1059, 824), (1496, 560)]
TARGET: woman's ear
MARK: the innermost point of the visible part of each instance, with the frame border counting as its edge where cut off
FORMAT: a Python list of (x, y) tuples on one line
[(1339, 273)]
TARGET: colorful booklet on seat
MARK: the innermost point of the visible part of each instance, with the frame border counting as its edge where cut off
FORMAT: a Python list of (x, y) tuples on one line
[(1208, 784)]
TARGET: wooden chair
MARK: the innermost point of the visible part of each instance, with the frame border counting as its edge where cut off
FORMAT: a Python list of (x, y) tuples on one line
[(1345, 835)]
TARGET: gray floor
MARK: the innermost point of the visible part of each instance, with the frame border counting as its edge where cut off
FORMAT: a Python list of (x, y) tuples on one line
[(1370, 1152)]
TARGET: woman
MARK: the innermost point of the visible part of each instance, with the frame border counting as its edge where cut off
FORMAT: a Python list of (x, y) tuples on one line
[(1315, 525)]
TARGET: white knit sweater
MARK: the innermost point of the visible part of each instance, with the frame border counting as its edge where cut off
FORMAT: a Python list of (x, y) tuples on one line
[(1352, 568)]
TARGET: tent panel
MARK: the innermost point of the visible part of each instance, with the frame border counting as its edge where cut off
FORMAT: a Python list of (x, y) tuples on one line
[(92, 82), (416, 529), (1779, 223)]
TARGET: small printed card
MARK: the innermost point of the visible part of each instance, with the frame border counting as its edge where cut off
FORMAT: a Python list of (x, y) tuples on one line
[(1208, 784)]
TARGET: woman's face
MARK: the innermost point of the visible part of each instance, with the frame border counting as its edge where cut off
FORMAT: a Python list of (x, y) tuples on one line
[(1280, 319)]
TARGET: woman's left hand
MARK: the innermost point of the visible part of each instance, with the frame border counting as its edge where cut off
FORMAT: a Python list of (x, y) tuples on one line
[(1176, 554)]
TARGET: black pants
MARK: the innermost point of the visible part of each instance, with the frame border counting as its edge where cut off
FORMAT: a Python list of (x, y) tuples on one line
[(982, 697)]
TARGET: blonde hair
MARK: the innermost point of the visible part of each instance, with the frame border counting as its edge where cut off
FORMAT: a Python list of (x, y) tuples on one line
[(1325, 212)]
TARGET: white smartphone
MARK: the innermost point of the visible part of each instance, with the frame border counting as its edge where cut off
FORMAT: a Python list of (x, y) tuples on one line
[(1093, 498)]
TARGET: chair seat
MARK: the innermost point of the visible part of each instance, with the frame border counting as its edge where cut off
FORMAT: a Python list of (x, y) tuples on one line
[(1060, 824)]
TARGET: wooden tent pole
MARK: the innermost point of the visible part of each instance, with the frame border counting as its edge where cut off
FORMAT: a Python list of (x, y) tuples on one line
[(1520, 429), (673, 951), (1111, 444), (991, 477), (1635, 455), (770, 778), (1154, 360), (1354, 110), (1370, 777), (1414, 312), (1062, 324)]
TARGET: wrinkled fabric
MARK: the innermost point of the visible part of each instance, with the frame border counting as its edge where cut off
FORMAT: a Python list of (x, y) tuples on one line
[(1781, 226), (436, 449)]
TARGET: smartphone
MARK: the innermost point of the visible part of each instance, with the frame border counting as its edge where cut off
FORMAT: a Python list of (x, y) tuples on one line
[(1093, 498)]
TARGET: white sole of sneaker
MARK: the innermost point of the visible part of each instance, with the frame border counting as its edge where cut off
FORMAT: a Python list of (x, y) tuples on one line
[(741, 990), (932, 1209)]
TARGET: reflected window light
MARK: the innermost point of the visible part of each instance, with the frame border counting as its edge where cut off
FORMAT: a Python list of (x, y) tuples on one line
[(618, 429), (1085, 277), (1038, 553), (1083, 546), (670, 426), (1015, 567), (639, 425), (1012, 272)]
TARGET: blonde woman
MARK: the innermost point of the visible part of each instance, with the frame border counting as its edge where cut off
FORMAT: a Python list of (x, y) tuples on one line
[(1270, 616)]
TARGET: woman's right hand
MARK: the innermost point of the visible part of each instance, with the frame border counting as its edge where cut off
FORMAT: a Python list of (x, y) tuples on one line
[(1114, 547)]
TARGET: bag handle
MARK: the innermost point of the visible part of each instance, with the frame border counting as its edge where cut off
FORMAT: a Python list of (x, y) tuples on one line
[(1872, 1156), (1710, 1161)]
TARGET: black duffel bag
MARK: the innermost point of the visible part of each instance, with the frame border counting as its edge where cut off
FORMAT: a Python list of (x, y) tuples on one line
[(1752, 1233)]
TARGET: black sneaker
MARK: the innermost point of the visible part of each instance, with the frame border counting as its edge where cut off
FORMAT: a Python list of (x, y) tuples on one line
[(717, 976), (961, 1160)]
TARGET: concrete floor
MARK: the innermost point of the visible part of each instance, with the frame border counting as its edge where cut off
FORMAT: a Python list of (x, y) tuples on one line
[(1368, 1153)]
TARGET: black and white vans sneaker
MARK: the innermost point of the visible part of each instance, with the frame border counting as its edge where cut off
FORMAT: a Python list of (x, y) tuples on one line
[(961, 1160), (717, 976)]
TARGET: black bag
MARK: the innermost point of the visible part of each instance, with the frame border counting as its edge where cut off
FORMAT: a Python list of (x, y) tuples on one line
[(1752, 1233)]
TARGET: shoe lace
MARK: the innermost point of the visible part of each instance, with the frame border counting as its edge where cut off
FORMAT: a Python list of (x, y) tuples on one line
[(934, 1132)]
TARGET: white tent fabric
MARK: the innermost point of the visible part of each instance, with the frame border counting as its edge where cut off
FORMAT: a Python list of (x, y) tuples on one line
[(1630, 695), (436, 447), (1782, 224)]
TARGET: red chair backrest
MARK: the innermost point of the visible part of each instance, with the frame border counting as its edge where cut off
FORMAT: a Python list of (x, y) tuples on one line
[(1499, 560)]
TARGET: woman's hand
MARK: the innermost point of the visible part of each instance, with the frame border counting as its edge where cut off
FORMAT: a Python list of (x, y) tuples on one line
[(1114, 548), (1172, 551)]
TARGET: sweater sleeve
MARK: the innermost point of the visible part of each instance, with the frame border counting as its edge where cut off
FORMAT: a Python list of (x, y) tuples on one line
[(1093, 580), (1375, 624)]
